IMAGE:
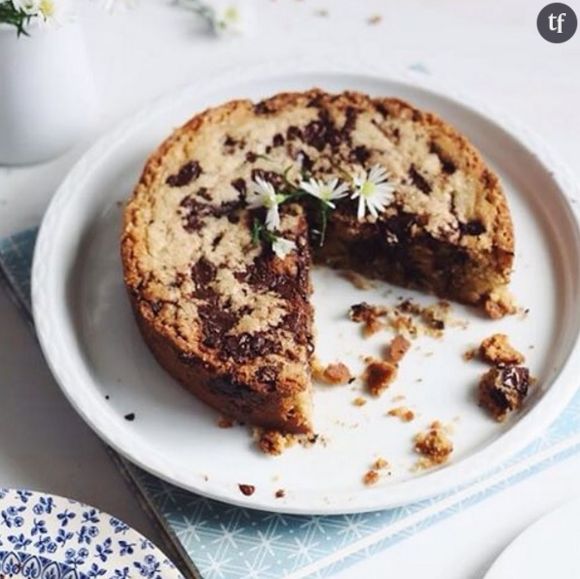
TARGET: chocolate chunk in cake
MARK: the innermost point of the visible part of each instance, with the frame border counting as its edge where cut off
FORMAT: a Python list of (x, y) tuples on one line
[(503, 390)]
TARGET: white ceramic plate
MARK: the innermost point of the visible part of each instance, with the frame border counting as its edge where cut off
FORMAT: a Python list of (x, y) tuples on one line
[(548, 548), (95, 351), (48, 537)]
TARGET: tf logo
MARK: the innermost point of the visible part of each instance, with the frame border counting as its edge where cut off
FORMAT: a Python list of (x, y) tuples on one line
[(557, 22)]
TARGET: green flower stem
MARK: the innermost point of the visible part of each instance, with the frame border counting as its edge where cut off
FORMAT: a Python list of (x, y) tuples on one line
[(18, 19)]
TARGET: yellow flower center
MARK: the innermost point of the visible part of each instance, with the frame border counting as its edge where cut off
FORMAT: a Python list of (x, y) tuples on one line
[(367, 189), (231, 14), (47, 8)]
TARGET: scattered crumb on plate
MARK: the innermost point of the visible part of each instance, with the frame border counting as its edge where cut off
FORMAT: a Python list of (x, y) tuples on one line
[(402, 413), (397, 348), (371, 477), (130, 417), (273, 442), (247, 490), (374, 19), (380, 463), (225, 422), (280, 493), (379, 375), (497, 350), (434, 446), (500, 303), (333, 374), (503, 390), (359, 401), (369, 315)]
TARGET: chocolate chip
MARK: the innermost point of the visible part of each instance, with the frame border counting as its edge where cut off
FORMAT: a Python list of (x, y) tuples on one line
[(239, 185), (293, 133), (188, 173), (251, 157), (203, 272), (305, 161), (447, 165), (473, 227), (360, 154), (203, 193), (382, 109), (230, 142), (278, 140), (270, 176), (262, 108), (419, 181), (247, 490)]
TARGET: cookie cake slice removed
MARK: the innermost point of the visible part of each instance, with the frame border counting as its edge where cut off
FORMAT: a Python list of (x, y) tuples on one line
[(230, 211)]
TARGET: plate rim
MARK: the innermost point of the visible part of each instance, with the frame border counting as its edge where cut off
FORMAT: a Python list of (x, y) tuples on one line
[(472, 467), (552, 514)]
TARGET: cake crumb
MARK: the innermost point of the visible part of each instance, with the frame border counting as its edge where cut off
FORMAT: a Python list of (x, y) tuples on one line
[(503, 390), (225, 422), (247, 490), (397, 348), (358, 281), (498, 351), (369, 316), (380, 463), (398, 398), (273, 442), (359, 401), (333, 374), (371, 477), (435, 318), (280, 493), (500, 303), (403, 413), (434, 446), (470, 354), (374, 19), (379, 375)]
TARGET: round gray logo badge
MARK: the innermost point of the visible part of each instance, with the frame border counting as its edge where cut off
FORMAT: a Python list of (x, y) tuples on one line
[(557, 22)]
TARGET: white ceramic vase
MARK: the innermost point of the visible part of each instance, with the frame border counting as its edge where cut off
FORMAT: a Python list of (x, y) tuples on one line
[(47, 94)]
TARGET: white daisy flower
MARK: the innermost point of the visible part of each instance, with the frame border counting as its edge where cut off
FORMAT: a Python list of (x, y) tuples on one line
[(29, 7), (229, 17), (226, 17), (55, 12), (282, 247), (263, 194), (373, 191), (326, 192)]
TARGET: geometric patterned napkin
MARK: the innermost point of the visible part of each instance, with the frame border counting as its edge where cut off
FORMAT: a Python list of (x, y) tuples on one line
[(216, 540)]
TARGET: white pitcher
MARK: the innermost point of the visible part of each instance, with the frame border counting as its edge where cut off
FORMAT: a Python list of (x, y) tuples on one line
[(47, 94)]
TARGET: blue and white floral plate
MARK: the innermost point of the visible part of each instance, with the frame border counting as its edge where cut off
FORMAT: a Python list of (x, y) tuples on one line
[(48, 537)]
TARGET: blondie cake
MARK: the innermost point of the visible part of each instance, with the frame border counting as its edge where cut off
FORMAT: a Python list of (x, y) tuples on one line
[(220, 284)]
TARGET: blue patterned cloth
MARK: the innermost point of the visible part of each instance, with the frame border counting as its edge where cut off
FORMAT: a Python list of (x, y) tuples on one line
[(228, 542)]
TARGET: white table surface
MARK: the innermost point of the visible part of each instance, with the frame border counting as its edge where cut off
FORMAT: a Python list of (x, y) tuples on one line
[(487, 47)]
